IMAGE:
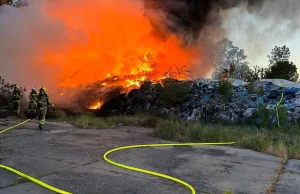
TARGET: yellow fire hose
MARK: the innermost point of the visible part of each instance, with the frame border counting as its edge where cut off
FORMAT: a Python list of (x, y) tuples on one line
[(27, 176), (105, 157), (277, 114), (14, 126), (191, 188), (34, 180)]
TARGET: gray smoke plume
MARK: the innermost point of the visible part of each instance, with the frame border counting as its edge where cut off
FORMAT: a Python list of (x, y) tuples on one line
[(276, 23), (25, 34), (187, 18), (254, 25)]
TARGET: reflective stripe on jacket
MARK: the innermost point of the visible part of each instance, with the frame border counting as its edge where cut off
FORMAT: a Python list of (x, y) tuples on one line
[(16, 95), (33, 96), (43, 100)]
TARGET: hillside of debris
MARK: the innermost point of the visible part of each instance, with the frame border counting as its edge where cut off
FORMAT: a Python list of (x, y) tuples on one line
[(263, 102)]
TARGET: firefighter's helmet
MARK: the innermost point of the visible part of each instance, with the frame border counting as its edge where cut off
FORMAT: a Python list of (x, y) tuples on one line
[(43, 89)]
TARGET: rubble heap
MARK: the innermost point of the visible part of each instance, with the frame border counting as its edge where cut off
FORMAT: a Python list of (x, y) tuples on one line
[(201, 99)]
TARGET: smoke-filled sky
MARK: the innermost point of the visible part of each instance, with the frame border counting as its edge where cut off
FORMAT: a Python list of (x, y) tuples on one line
[(276, 23), (65, 42)]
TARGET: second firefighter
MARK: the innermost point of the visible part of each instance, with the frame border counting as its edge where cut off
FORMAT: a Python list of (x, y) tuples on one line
[(33, 102)]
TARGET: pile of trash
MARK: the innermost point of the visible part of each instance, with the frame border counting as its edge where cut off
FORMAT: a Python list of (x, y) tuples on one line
[(204, 102), (245, 100)]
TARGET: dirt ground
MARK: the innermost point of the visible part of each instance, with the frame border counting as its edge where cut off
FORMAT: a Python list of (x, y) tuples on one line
[(71, 159)]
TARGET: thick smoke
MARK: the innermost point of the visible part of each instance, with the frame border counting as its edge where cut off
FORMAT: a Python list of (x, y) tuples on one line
[(188, 18), (27, 36), (254, 25), (276, 23), (195, 22)]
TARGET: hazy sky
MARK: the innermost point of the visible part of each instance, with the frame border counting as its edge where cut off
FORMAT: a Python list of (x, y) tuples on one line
[(276, 24)]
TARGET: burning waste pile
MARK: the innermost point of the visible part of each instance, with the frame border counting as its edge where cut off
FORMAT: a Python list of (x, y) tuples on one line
[(118, 45), (204, 99)]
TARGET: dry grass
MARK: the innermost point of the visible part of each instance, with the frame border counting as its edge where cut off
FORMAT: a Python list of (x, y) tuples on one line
[(280, 142), (272, 186), (279, 150)]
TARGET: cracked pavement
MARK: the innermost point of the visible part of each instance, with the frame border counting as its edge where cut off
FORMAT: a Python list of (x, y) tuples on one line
[(70, 159)]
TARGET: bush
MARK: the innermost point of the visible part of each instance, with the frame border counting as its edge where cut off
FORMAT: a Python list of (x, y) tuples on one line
[(252, 90), (264, 115), (252, 75), (58, 115), (174, 92), (283, 115), (225, 88)]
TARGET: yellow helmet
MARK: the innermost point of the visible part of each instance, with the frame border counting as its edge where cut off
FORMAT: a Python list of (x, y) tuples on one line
[(43, 89)]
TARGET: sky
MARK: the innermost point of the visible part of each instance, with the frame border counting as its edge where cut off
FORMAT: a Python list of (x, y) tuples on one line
[(276, 24)]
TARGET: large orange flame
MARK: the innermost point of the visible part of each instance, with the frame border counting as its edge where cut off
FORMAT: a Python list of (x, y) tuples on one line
[(113, 38)]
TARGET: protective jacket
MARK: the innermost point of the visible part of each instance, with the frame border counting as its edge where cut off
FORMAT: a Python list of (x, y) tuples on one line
[(33, 96), (16, 95), (43, 100)]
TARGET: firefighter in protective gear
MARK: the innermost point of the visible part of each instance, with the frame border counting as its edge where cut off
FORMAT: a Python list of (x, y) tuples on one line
[(16, 100), (33, 102), (43, 102)]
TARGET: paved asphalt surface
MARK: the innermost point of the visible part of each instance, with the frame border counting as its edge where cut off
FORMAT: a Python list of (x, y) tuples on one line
[(71, 159)]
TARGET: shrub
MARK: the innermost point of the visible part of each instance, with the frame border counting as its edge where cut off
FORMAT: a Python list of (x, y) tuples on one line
[(252, 75), (225, 88), (283, 115), (264, 115), (252, 90), (174, 92), (58, 115)]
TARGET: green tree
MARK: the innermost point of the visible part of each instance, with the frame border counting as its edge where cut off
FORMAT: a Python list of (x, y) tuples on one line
[(225, 54), (282, 70), (280, 67), (279, 54)]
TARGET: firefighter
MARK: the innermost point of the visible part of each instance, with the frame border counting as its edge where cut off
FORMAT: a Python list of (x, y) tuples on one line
[(231, 70), (16, 100), (43, 102), (33, 102)]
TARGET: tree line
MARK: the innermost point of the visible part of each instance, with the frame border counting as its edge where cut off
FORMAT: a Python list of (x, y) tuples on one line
[(280, 66)]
